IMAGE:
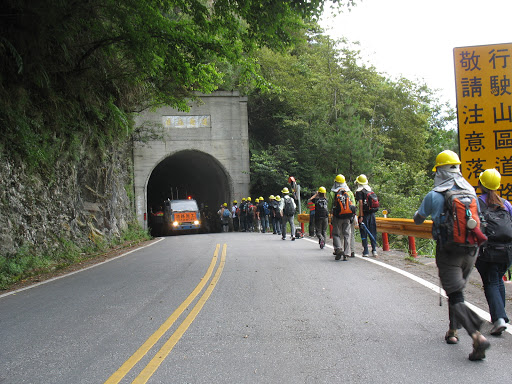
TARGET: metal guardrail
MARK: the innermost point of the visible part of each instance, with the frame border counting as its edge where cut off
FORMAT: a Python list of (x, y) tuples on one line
[(394, 226)]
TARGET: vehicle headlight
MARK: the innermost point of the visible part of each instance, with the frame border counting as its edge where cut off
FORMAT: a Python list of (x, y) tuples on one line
[(175, 224), (196, 222)]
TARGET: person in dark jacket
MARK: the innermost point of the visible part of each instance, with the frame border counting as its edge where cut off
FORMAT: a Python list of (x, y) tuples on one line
[(495, 257)]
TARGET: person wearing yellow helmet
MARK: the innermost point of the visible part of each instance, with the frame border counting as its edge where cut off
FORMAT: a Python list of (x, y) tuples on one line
[(321, 215), (263, 212), (287, 208), (225, 215), (249, 227), (495, 257), (454, 262), (275, 214), (243, 214), (366, 216), (342, 223), (235, 215)]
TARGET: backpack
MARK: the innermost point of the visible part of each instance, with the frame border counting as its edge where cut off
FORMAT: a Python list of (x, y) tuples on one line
[(342, 209), (226, 213), (266, 209), (321, 208), (288, 209), (497, 225), (371, 202), (459, 219)]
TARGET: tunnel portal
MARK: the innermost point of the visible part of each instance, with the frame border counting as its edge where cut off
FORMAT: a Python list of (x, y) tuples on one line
[(202, 153), (189, 173)]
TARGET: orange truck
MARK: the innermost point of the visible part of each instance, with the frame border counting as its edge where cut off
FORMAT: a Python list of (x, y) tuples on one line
[(182, 216)]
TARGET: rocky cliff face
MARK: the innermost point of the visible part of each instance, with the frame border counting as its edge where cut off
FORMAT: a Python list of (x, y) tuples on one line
[(78, 202)]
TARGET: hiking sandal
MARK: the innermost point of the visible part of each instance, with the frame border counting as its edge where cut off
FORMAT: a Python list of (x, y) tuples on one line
[(451, 337)]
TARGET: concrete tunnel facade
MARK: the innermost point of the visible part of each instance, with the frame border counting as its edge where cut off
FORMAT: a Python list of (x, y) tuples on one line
[(203, 153)]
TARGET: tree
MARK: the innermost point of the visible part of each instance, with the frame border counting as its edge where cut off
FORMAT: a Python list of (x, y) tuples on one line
[(79, 68)]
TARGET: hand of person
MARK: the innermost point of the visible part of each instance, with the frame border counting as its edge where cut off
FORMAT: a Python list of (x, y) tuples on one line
[(359, 219)]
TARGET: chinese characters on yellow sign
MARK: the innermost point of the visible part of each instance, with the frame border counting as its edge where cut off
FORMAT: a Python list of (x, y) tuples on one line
[(484, 107)]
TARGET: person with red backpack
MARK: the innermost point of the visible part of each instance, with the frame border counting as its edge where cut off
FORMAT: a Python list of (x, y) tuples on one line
[(495, 256), (455, 257), (343, 211), (368, 205)]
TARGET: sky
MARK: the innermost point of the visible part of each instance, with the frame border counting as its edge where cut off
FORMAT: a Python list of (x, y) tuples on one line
[(415, 39)]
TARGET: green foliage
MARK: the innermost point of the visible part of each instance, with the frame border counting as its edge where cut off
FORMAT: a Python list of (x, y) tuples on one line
[(74, 72), (28, 261)]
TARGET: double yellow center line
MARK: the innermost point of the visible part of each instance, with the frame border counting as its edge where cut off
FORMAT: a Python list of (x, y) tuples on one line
[(160, 356)]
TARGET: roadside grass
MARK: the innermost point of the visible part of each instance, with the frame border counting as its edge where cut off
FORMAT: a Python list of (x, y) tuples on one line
[(28, 262)]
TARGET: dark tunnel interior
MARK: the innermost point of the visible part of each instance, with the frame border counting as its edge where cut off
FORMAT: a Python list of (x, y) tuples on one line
[(188, 173)]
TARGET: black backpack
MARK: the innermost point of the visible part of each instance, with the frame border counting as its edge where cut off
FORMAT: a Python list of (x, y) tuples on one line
[(497, 226), (321, 210), (288, 209)]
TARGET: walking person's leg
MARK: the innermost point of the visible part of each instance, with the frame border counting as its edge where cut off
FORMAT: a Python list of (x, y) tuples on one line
[(364, 238), (345, 229)]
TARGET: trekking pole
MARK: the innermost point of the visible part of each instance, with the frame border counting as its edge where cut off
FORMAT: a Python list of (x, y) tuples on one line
[(440, 294), (368, 232)]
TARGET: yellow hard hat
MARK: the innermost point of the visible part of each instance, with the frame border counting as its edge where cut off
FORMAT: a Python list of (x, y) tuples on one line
[(362, 179), (322, 189), (243, 198), (446, 157), (225, 204), (249, 198), (285, 190), (271, 197), (261, 198), (340, 179), (490, 179), (257, 200), (235, 202), (278, 198)]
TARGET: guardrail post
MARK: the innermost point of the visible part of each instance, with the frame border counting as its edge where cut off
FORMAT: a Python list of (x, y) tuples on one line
[(330, 231), (412, 247), (385, 240), (302, 227)]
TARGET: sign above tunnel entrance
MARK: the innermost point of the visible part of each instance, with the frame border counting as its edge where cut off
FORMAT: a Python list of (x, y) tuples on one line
[(484, 111), (181, 121)]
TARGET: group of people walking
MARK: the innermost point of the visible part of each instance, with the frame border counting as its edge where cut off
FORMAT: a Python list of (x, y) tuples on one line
[(346, 209), (486, 225), (486, 241), (262, 216)]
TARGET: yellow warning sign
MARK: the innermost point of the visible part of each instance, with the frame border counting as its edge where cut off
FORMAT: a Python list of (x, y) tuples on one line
[(483, 76)]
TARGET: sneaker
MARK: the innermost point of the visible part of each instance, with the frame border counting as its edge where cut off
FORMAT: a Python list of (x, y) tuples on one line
[(374, 253), (344, 257), (284, 238), (293, 238), (322, 244), (352, 254), (338, 253), (365, 255), (499, 327)]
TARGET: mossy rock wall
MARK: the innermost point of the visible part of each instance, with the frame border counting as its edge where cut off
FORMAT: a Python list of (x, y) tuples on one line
[(78, 201)]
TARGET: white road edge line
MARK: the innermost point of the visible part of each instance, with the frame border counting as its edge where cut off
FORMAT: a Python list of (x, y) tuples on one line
[(81, 270), (480, 312)]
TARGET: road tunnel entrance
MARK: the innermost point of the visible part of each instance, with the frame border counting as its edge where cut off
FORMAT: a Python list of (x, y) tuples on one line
[(189, 173)]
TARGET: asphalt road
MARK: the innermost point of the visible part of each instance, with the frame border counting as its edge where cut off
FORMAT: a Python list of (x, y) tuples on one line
[(236, 308)]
